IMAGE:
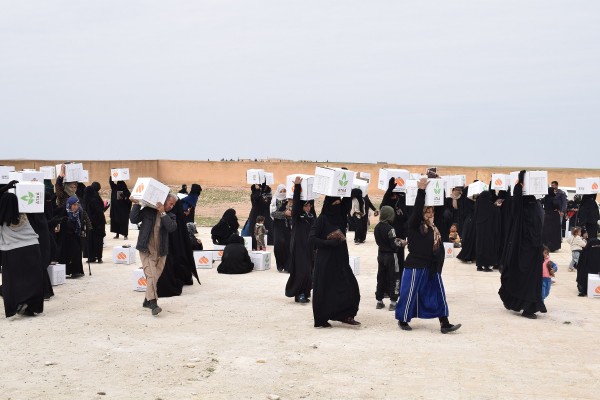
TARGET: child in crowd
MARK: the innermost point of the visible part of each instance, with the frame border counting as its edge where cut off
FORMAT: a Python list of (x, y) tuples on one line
[(454, 237), (548, 270), (259, 233), (577, 244)]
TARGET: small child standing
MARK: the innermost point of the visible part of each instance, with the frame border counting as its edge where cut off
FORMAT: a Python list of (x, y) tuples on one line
[(453, 236), (547, 273), (259, 233), (577, 244)]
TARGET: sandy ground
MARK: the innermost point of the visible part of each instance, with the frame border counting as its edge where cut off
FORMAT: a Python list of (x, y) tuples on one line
[(240, 337)]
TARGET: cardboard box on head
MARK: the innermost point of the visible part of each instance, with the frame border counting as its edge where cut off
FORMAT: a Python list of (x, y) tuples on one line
[(535, 182), (411, 192), (269, 178), (85, 176), (434, 193), (365, 175), (587, 185), (306, 186), (500, 181), (119, 174), (255, 176), (476, 188), (4, 173), (73, 172), (49, 172), (27, 176), (149, 192), (30, 197), (361, 184), (335, 182), (401, 175)]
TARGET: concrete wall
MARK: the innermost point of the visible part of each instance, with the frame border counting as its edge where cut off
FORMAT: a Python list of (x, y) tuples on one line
[(233, 173)]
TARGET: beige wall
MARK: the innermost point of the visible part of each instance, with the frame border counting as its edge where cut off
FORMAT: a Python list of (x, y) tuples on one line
[(233, 174)]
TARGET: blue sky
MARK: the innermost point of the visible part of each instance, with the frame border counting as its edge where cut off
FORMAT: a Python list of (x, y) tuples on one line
[(498, 83)]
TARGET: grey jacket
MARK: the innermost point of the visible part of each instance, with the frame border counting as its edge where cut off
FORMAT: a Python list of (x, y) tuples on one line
[(147, 216)]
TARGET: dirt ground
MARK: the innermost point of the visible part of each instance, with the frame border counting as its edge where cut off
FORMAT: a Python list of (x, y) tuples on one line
[(240, 337)]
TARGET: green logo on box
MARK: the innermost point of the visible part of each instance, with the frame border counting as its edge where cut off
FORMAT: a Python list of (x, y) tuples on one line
[(29, 198), (437, 189), (344, 180)]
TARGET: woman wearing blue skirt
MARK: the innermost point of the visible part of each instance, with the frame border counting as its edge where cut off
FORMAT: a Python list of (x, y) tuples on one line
[(422, 292)]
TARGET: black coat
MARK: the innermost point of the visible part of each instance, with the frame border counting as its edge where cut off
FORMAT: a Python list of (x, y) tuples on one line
[(120, 207), (235, 260), (488, 230), (552, 221), (589, 263)]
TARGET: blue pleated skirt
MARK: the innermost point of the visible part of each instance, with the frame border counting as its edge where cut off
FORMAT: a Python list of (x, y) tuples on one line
[(421, 295)]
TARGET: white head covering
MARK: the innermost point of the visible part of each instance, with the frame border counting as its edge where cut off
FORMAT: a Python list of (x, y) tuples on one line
[(279, 196)]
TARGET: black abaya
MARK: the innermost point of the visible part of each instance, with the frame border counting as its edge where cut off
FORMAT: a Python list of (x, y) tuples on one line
[(235, 260), (22, 279), (589, 263), (281, 234), (469, 231), (552, 221), (120, 207), (488, 230)]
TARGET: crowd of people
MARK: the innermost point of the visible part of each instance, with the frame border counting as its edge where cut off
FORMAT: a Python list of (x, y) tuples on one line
[(506, 230)]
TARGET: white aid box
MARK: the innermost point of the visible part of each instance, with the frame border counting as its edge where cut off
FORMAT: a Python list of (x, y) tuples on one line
[(593, 285), (30, 197), (4, 173), (85, 176), (411, 192), (361, 184), (124, 255), (203, 259), (306, 186), (255, 176), (500, 181), (449, 250), (269, 178), (248, 242), (334, 182), (355, 264), (139, 280), (365, 176), (73, 172), (385, 174), (49, 172), (149, 191), (119, 174), (476, 188), (535, 182), (434, 193), (57, 274), (218, 252), (261, 260), (29, 176), (587, 185)]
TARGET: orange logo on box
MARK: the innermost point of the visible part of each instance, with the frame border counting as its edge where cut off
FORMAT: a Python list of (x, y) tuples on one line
[(400, 181), (121, 256), (597, 290), (220, 252), (203, 260), (499, 182), (115, 174), (449, 251), (140, 188), (142, 281), (594, 186)]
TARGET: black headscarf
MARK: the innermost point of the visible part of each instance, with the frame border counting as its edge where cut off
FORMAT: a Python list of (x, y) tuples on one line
[(335, 213), (356, 193), (225, 228), (9, 209)]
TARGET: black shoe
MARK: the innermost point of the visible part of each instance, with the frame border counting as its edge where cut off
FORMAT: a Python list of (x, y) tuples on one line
[(124, 237), (450, 328), (404, 326), (146, 304), (302, 299), (351, 321), (99, 261), (116, 237), (74, 276), (487, 269), (154, 307), (582, 294), (529, 315), (380, 305), (479, 268), (324, 325), (28, 313)]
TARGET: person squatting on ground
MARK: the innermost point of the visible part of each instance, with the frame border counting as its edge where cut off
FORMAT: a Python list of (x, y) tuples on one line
[(388, 270), (153, 243), (422, 293)]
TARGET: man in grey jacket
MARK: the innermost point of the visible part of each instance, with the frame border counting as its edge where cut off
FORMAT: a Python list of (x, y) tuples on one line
[(153, 243)]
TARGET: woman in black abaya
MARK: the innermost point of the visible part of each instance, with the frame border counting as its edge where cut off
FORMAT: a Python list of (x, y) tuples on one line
[(469, 230), (260, 198), (180, 267), (589, 263), (281, 212), (236, 259), (71, 229), (190, 202), (588, 215), (94, 206), (521, 279), (336, 295), (227, 226), (552, 221), (22, 273), (357, 212), (488, 231), (300, 262), (120, 207)]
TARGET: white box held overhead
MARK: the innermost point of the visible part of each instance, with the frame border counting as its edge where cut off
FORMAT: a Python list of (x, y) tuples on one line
[(411, 192), (306, 185), (361, 184), (49, 172), (119, 174), (4, 173), (587, 185), (73, 172), (434, 193), (500, 181), (385, 174), (334, 182), (149, 192), (476, 188), (30, 197), (535, 182), (255, 176)]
